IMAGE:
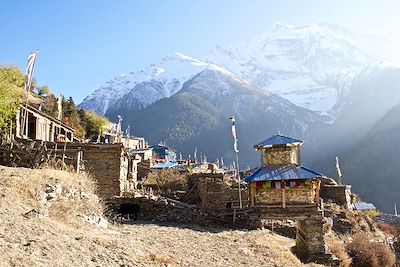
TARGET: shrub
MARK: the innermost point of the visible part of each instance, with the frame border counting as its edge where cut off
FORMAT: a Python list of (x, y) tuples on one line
[(368, 253), (387, 228)]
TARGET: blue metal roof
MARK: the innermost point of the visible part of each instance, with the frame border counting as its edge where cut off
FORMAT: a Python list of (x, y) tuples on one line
[(287, 172), (164, 165), (278, 139), (364, 206)]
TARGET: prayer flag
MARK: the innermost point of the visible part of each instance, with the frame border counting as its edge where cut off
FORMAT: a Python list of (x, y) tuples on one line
[(338, 171), (235, 147), (29, 70)]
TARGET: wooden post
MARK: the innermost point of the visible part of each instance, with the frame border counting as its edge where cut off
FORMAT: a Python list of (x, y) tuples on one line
[(65, 147), (55, 151), (18, 123), (11, 134), (234, 215), (283, 190), (272, 226), (252, 194), (317, 193), (78, 160)]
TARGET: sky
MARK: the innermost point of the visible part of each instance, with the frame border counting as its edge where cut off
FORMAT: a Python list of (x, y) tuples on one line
[(83, 44)]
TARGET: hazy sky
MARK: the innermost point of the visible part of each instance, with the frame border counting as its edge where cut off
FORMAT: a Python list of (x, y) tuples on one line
[(85, 43)]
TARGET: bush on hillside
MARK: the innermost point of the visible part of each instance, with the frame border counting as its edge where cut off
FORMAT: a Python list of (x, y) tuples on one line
[(387, 228), (366, 253), (93, 123)]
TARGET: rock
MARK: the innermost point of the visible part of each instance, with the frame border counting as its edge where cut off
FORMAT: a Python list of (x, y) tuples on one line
[(95, 220)]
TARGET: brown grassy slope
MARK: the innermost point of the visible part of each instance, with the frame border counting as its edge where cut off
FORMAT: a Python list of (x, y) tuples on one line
[(55, 233)]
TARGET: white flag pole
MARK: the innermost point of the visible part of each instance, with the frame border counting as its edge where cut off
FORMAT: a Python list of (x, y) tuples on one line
[(235, 149), (338, 171), (28, 84)]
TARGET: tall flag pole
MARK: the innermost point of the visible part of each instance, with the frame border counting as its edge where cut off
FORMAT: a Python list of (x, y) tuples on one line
[(119, 128), (127, 134), (338, 171), (59, 107), (128, 131), (236, 150), (27, 86)]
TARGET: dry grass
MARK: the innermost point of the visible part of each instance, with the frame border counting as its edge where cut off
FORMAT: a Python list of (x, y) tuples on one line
[(338, 248), (56, 235), (368, 253)]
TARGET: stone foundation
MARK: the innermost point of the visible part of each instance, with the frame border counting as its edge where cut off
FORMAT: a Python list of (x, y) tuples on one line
[(310, 240)]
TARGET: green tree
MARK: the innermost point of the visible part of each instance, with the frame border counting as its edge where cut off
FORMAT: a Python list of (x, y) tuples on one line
[(11, 88), (93, 123), (43, 90)]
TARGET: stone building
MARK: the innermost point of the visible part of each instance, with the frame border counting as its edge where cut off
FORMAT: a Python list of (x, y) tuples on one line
[(113, 168), (214, 192), (283, 189), (281, 180), (163, 154)]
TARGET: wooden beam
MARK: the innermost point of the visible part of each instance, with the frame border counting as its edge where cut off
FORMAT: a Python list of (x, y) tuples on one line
[(252, 194), (317, 195), (283, 197)]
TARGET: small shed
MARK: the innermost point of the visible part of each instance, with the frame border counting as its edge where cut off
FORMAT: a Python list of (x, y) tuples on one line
[(364, 206)]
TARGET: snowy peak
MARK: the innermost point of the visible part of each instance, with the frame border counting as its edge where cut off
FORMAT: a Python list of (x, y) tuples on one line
[(217, 85), (312, 66), (144, 87), (308, 65)]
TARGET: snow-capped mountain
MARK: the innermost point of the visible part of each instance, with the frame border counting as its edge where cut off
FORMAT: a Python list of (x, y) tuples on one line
[(141, 88), (198, 115), (312, 66), (309, 65)]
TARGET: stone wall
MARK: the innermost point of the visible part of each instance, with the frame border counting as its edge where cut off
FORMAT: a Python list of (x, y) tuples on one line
[(300, 196), (215, 193), (293, 196), (281, 155), (143, 169), (339, 194), (108, 166), (268, 197)]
